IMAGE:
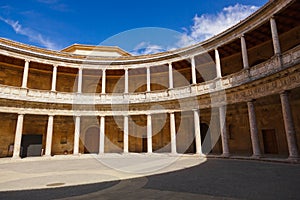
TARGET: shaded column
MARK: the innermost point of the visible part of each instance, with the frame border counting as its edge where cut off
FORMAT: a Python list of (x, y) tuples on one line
[(197, 132), (253, 130), (54, 77), (244, 53), (102, 135), (170, 76), (148, 79), (125, 140), (218, 64), (126, 81), (173, 133), (76, 135), (149, 133), (275, 37), (103, 81), (49, 136), (194, 78), (25, 74), (79, 87), (289, 125), (18, 136), (224, 136)]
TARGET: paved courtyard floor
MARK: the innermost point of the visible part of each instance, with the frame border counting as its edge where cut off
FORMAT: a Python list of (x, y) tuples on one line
[(147, 177)]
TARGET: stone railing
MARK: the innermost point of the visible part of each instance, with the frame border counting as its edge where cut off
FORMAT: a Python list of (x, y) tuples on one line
[(259, 71)]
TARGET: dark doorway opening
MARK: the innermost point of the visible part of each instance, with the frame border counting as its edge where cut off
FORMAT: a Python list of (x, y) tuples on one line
[(92, 140), (31, 145), (270, 141), (145, 145), (205, 138)]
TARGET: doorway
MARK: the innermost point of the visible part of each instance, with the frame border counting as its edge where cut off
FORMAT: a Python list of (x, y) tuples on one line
[(92, 140), (270, 141), (31, 145), (145, 145)]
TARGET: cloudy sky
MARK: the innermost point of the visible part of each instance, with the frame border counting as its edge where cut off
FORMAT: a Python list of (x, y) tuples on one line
[(139, 27)]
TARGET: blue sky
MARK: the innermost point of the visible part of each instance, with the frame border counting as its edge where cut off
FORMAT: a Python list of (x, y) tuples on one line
[(55, 24)]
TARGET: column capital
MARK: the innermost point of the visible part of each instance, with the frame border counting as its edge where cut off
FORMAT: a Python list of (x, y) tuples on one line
[(27, 60), (21, 113), (55, 65), (170, 63), (125, 68), (103, 69), (80, 68), (251, 101), (285, 92), (51, 115)]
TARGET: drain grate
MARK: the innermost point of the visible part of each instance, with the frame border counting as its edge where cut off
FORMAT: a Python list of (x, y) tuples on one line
[(55, 184)]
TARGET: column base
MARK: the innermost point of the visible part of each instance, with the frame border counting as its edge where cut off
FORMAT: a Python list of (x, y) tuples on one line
[(293, 158), (225, 155), (16, 158), (256, 156)]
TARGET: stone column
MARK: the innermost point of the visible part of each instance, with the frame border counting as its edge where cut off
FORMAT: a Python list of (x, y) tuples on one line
[(197, 132), (18, 136), (289, 126), (103, 81), (170, 76), (194, 77), (253, 130), (275, 37), (218, 64), (224, 135), (173, 133), (54, 76), (125, 140), (49, 136), (79, 89), (149, 133), (76, 135), (25, 74), (102, 135), (148, 80), (126, 81), (244, 53)]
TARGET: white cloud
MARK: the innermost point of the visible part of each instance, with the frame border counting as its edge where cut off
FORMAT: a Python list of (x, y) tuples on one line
[(31, 34), (206, 26), (145, 48)]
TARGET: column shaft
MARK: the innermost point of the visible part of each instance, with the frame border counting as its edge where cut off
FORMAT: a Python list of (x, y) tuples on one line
[(197, 132), (170, 76), (103, 81), (148, 80), (18, 136), (224, 136), (76, 135), (102, 135), (275, 37), (289, 126), (194, 77), (49, 136), (126, 81), (79, 89), (173, 133), (253, 130), (218, 64), (149, 134), (244, 53), (25, 74), (125, 140), (54, 77)]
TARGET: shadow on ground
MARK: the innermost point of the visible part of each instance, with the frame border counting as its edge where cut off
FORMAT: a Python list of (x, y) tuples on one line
[(214, 179)]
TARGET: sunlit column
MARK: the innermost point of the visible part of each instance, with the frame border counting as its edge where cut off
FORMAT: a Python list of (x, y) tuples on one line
[(18, 136), (79, 90), (275, 37), (54, 77), (149, 133), (103, 81), (76, 135), (102, 135), (253, 129), (49, 136), (25, 74), (289, 126), (126, 81), (125, 140), (194, 78), (244, 52), (148, 80), (197, 132), (218, 64), (173, 133), (170, 76), (224, 136)]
